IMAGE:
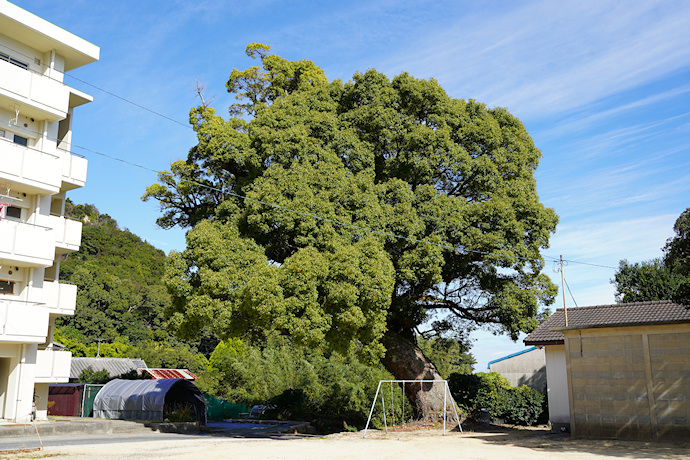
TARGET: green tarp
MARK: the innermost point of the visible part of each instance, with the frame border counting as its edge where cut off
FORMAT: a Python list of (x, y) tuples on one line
[(219, 409)]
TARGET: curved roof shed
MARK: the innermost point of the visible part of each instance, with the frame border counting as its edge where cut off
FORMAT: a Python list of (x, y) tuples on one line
[(148, 399)]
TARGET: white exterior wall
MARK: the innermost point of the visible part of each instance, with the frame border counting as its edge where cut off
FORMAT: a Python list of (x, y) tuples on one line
[(35, 106), (557, 386)]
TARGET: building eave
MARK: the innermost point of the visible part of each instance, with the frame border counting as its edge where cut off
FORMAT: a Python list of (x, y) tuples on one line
[(45, 36)]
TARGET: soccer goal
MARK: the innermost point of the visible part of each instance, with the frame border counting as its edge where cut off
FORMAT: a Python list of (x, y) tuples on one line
[(396, 410)]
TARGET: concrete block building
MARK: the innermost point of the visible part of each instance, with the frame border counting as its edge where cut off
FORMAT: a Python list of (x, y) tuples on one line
[(619, 371), (37, 169)]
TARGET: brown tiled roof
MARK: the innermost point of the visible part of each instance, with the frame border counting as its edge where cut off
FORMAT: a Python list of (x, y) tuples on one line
[(621, 314)]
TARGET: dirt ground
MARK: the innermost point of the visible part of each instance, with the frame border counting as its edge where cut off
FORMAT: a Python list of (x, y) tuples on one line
[(498, 443)]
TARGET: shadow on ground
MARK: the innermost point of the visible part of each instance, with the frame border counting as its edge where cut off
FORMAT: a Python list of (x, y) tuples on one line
[(258, 429), (544, 440)]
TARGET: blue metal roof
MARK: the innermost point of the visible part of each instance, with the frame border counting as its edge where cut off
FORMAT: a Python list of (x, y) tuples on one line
[(488, 366)]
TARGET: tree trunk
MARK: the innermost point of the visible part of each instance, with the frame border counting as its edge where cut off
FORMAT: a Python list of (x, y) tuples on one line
[(406, 361)]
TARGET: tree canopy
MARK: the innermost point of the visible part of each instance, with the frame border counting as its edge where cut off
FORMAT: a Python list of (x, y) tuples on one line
[(345, 213), (644, 281), (666, 278)]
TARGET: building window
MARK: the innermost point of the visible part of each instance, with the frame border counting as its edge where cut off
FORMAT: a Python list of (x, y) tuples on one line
[(14, 61), (6, 287), (21, 140), (13, 212)]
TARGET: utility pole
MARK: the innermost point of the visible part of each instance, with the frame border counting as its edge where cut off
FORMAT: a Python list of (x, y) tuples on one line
[(565, 310)]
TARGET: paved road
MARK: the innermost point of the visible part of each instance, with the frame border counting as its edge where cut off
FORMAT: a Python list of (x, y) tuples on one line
[(87, 439), (237, 430)]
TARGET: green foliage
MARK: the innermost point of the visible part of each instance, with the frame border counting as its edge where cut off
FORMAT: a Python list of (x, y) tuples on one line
[(667, 278), (426, 171), (106, 247), (278, 78), (493, 393), (677, 257), (677, 249), (179, 412), (118, 276), (88, 375), (81, 346), (448, 355), (337, 296), (171, 355), (644, 281), (121, 298), (308, 384), (525, 406)]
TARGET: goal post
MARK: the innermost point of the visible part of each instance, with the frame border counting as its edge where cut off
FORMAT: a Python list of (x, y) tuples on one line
[(389, 405)]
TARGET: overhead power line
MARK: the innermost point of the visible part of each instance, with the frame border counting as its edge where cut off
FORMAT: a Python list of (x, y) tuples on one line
[(44, 65)]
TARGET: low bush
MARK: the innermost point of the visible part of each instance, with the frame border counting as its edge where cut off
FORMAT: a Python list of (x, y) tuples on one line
[(179, 412), (493, 393)]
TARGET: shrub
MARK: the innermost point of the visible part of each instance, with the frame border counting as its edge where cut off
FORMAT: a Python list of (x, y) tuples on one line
[(89, 375), (493, 393), (179, 412), (328, 389), (524, 406)]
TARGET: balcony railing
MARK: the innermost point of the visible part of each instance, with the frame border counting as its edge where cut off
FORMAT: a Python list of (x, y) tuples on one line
[(30, 167), (22, 321), (73, 170), (40, 95), (60, 298), (52, 366), (67, 233), (27, 243)]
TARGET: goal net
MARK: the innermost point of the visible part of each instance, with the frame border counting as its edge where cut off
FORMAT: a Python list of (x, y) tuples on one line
[(392, 409)]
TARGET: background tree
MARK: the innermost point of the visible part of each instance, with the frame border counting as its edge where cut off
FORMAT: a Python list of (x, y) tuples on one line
[(121, 298), (644, 281), (446, 185), (666, 278), (677, 257)]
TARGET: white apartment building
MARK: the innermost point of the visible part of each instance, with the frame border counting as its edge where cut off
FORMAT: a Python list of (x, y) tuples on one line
[(36, 171)]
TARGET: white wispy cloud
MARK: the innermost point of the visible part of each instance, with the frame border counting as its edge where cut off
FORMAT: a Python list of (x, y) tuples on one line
[(543, 57), (596, 114)]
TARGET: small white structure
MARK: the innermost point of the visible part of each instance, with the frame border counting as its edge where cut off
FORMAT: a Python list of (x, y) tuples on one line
[(526, 367), (557, 383), (36, 170)]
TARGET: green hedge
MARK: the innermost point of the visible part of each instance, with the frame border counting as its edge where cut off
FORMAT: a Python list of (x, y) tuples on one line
[(493, 393)]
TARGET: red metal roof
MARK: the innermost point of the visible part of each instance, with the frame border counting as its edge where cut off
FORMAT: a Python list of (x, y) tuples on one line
[(170, 374)]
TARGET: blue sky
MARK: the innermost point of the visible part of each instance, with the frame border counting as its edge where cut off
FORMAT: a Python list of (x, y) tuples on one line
[(602, 87)]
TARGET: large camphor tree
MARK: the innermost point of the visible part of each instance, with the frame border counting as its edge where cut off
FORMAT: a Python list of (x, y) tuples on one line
[(354, 214)]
